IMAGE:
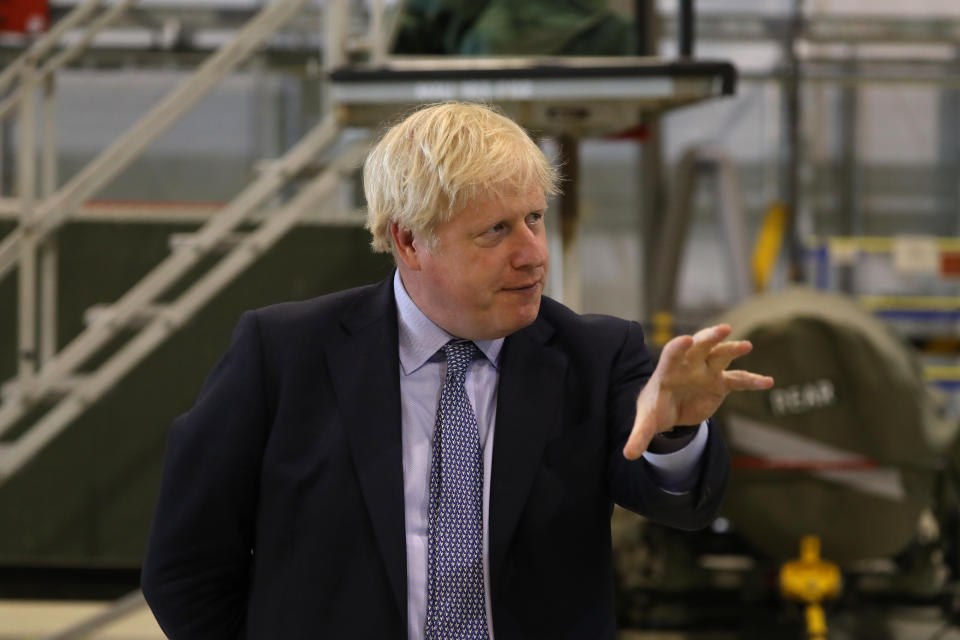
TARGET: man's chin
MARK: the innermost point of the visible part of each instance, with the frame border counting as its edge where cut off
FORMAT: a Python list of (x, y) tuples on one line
[(524, 317)]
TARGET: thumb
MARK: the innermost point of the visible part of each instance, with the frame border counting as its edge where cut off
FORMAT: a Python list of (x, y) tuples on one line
[(644, 428)]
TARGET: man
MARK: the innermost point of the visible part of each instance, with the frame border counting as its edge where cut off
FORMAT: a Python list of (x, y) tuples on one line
[(435, 456)]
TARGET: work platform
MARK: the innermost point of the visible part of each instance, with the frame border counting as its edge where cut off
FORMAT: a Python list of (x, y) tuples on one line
[(574, 96)]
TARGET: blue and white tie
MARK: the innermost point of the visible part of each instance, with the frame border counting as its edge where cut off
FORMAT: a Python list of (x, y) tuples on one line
[(456, 608)]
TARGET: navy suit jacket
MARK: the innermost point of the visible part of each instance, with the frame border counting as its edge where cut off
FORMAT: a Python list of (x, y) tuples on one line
[(281, 507)]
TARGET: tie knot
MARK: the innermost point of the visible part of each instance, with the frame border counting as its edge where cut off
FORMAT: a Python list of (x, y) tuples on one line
[(459, 353)]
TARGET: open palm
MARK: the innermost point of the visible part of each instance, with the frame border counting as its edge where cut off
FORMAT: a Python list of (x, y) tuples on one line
[(689, 384)]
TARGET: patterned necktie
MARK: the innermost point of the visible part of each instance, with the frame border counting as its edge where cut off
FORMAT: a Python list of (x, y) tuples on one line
[(456, 608)]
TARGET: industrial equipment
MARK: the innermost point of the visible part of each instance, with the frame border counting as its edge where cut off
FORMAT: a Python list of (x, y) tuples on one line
[(850, 446)]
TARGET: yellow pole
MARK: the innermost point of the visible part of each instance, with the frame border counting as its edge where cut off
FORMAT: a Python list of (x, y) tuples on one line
[(811, 580)]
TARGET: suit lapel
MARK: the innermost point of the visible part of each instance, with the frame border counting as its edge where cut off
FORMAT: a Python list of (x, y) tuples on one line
[(529, 399), (365, 372)]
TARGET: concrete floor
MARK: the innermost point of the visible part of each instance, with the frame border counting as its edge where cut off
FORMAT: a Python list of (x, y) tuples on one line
[(36, 620), (30, 620)]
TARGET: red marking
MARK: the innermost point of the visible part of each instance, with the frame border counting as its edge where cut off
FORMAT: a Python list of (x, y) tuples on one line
[(787, 464), (640, 133), (950, 264), (24, 16)]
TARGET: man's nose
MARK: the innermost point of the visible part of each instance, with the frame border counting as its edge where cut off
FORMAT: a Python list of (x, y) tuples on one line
[(530, 248)]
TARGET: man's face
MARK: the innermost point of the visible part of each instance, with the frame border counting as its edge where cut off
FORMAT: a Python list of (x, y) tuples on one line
[(484, 276)]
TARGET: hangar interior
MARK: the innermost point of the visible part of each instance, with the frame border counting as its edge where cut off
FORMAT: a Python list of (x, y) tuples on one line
[(791, 166)]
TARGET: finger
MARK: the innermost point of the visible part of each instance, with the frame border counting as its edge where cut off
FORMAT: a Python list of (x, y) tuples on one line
[(746, 381), (706, 339), (643, 430), (726, 352), (674, 352)]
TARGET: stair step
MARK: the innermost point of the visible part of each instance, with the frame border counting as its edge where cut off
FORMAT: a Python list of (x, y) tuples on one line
[(11, 390), (139, 319), (184, 240)]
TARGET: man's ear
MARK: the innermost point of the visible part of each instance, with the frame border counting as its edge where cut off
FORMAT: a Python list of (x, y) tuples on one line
[(407, 251)]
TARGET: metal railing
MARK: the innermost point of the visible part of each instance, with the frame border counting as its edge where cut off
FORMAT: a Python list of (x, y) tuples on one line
[(43, 373), (82, 390)]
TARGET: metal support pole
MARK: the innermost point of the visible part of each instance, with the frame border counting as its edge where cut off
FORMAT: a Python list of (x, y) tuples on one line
[(686, 28), (650, 174), (642, 29), (3, 156), (337, 23), (49, 252), (670, 242), (569, 152), (848, 202), (26, 189), (790, 165), (378, 36), (949, 153)]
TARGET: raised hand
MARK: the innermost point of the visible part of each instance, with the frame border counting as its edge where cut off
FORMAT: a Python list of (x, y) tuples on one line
[(689, 384)]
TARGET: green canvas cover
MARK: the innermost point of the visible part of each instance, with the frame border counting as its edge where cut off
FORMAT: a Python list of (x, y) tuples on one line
[(502, 27), (844, 446)]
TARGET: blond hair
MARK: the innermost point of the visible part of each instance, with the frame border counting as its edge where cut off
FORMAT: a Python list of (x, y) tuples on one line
[(441, 159)]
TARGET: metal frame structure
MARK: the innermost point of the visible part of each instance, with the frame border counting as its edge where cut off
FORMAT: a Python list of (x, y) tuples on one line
[(60, 375), (44, 373)]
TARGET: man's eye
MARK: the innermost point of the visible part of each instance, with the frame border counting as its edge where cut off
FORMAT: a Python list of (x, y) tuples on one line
[(497, 228), (534, 218)]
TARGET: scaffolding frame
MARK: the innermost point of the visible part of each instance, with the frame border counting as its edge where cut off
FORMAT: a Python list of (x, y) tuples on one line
[(43, 372)]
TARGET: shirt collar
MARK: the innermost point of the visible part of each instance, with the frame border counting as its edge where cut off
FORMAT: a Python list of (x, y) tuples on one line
[(420, 338)]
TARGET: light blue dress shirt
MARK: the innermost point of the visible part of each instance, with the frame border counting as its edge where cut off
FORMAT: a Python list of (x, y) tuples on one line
[(422, 370)]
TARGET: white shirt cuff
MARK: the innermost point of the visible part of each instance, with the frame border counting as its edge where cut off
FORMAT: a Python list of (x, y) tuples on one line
[(676, 472)]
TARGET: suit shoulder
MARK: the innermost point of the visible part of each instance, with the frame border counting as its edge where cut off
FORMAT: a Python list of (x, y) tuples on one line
[(312, 313), (595, 327)]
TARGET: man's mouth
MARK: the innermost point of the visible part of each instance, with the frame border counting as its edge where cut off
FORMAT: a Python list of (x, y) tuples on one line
[(524, 287)]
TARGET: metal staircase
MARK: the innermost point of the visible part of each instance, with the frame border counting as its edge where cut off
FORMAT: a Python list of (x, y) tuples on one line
[(57, 378)]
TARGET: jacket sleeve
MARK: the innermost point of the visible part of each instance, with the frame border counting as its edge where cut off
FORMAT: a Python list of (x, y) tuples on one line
[(196, 572), (632, 482)]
